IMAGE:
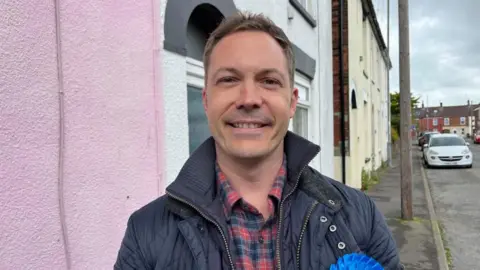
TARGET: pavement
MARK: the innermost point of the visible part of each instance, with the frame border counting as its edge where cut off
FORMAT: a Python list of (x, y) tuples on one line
[(418, 241), (456, 196)]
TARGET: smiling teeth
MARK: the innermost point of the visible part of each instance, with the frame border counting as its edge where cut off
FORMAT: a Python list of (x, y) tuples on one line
[(247, 125)]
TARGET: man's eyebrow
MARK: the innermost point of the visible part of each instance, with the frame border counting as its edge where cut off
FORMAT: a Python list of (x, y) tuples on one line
[(226, 69), (272, 70), (261, 72)]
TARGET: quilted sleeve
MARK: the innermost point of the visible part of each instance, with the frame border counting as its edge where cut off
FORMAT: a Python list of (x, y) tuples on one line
[(130, 256), (381, 245)]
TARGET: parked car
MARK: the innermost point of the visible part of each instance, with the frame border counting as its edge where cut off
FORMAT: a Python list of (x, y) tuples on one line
[(447, 150), (476, 138), (424, 139)]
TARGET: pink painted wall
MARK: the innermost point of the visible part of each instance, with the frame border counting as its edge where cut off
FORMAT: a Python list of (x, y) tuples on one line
[(112, 129)]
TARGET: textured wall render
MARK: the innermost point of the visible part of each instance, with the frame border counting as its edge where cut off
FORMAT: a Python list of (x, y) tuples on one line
[(113, 133), (29, 218)]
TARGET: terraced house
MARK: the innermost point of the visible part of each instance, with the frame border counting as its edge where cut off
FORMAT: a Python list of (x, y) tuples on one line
[(461, 119), (365, 69)]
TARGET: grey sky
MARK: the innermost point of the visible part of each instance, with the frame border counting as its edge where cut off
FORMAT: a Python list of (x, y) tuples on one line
[(444, 47)]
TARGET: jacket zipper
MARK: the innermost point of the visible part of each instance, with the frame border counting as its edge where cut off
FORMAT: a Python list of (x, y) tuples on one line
[(280, 217), (304, 228), (212, 221)]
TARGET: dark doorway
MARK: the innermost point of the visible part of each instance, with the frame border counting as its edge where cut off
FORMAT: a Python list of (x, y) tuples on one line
[(204, 19)]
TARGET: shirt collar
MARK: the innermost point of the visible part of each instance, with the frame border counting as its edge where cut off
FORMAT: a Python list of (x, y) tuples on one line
[(230, 197)]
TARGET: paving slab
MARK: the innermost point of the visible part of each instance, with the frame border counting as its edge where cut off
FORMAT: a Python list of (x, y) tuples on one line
[(416, 239)]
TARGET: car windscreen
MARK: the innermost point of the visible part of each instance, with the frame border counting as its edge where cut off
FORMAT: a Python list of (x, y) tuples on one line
[(446, 141), (429, 135)]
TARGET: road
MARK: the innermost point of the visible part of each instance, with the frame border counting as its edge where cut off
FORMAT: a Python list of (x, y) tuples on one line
[(456, 196)]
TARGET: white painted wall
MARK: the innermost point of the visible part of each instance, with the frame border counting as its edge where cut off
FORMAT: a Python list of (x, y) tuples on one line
[(175, 78)]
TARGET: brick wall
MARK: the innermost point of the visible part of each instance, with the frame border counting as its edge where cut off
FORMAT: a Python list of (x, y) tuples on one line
[(336, 75), (455, 121)]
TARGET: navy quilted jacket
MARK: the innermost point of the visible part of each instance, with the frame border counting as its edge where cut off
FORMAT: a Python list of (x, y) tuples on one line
[(321, 220)]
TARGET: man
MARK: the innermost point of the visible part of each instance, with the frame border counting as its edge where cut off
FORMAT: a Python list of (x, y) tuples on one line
[(246, 198)]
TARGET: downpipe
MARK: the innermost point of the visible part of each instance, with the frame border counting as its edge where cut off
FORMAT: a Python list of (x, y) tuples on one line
[(342, 91)]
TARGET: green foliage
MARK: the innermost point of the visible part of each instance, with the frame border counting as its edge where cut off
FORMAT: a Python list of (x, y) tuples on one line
[(369, 179), (395, 109), (395, 136)]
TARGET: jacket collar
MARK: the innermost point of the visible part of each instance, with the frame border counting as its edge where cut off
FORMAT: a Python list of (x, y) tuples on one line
[(196, 185)]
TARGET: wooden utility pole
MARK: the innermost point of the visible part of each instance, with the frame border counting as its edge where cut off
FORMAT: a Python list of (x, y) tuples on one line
[(405, 111)]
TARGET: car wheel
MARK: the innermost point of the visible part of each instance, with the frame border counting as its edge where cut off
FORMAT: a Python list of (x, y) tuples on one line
[(425, 163)]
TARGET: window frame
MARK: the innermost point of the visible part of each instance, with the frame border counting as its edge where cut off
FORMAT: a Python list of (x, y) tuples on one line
[(446, 121), (195, 78), (195, 73), (464, 120), (301, 81), (310, 16)]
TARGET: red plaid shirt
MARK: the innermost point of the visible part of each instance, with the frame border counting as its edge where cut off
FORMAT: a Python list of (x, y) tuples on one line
[(254, 237)]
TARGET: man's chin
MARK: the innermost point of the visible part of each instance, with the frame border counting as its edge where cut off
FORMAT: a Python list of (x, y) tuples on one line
[(249, 149), (248, 153)]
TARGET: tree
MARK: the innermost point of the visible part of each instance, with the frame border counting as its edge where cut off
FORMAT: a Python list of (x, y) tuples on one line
[(395, 109)]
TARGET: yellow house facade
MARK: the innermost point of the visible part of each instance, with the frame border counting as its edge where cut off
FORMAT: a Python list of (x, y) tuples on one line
[(367, 85)]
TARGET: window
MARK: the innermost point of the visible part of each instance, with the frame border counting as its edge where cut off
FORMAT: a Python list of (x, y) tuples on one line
[(462, 120), (198, 130), (447, 141), (446, 121), (309, 6), (301, 120), (435, 122)]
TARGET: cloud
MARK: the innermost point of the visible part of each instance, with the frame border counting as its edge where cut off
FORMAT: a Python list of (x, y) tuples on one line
[(444, 45)]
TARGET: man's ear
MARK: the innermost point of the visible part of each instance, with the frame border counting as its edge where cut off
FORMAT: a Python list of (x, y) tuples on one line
[(204, 99), (293, 102)]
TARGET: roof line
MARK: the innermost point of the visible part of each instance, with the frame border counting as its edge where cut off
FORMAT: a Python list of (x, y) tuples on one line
[(369, 11)]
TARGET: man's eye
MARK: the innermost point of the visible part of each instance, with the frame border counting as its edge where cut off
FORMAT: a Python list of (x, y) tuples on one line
[(227, 80), (269, 81)]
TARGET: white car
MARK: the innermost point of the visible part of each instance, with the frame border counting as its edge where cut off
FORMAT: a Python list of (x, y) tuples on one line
[(447, 150)]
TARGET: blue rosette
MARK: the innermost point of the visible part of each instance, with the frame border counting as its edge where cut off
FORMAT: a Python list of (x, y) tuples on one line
[(356, 261)]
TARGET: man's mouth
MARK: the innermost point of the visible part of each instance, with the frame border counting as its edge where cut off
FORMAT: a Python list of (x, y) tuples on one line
[(247, 125)]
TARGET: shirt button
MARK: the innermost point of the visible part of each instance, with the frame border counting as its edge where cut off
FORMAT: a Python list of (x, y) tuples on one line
[(261, 240)]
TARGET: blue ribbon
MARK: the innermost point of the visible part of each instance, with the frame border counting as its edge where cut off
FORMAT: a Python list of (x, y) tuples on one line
[(356, 261)]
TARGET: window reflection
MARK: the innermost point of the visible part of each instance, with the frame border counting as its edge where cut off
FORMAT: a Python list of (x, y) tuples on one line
[(198, 130)]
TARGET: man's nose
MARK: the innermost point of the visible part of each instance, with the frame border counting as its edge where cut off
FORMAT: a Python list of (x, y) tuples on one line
[(250, 96)]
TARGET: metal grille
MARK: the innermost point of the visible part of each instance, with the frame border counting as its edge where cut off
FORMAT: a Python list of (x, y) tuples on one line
[(453, 158)]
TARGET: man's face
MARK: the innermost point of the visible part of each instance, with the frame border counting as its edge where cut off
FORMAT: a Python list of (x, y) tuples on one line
[(248, 98)]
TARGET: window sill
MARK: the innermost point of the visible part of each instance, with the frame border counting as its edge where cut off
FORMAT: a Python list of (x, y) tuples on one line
[(304, 13)]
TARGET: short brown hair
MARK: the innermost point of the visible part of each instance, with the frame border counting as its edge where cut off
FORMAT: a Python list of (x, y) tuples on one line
[(246, 21)]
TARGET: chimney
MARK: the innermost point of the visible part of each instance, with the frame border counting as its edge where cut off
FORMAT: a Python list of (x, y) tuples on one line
[(441, 104), (468, 102), (423, 105)]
